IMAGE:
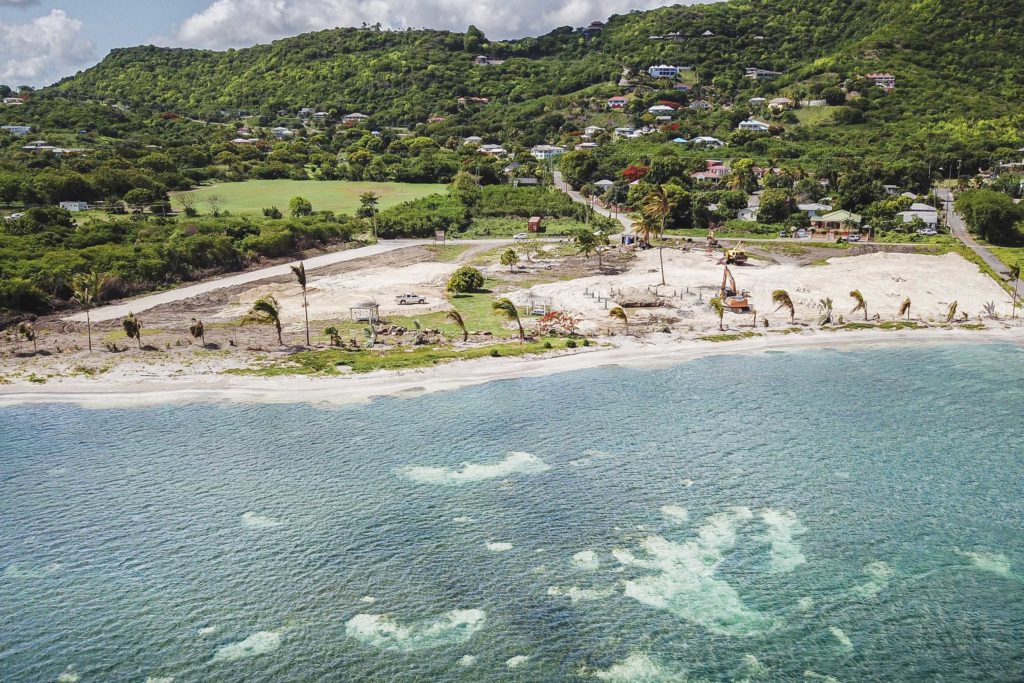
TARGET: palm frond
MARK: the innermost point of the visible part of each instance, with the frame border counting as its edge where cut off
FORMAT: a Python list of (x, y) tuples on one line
[(300, 273), (951, 312), (904, 308)]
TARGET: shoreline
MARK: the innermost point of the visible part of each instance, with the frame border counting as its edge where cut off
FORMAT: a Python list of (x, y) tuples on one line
[(100, 393)]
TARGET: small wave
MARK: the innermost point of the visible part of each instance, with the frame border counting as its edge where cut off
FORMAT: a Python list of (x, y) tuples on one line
[(68, 676), (160, 679), (782, 528), (814, 676), (463, 520), (517, 661), (467, 660), (260, 643), (994, 563), (675, 513), (841, 637), (880, 574), (252, 520), (14, 571), (586, 560), (207, 630), (500, 547), (640, 668), (514, 463), (577, 594), (384, 632), (368, 599)]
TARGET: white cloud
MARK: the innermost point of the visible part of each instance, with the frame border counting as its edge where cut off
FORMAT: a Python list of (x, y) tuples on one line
[(43, 49), (239, 23)]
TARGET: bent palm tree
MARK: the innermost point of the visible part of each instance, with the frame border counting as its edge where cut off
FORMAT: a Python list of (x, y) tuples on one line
[(951, 313), (334, 335), (300, 275), (198, 330), (904, 309), (658, 207), (861, 304), (265, 311), (780, 298), (87, 289), (133, 328), (618, 312), (456, 318), (508, 309), (719, 308), (826, 311)]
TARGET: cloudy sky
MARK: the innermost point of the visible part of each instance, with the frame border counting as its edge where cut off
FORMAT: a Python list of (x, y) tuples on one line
[(44, 40)]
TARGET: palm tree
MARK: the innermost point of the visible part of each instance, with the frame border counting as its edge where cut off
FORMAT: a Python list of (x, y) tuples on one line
[(300, 275), (265, 311), (508, 309), (826, 311), (618, 312), (1015, 274), (904, 309), (368, 200), (658, 207), (861, 304), (456, 318), (198, 330), (334, 335), (780, 298), (28, 331), (133, 328), (951, 313), (87, 289), (718, 306)]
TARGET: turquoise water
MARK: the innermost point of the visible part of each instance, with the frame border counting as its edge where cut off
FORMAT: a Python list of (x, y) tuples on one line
[(765, 518)]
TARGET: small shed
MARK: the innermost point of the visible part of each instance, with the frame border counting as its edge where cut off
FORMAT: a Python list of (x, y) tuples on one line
[(368, 312), (534, 225)]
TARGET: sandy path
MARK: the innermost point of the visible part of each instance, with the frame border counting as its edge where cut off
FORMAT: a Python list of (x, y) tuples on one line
[(659, 351)]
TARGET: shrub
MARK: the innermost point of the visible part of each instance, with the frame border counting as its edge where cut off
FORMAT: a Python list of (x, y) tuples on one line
[(547, 345), (495, 353), (570, 344), (465, 279)]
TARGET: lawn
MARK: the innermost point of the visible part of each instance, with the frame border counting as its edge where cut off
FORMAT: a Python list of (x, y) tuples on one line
[(1011, 256), (813, 116), (340, 196)]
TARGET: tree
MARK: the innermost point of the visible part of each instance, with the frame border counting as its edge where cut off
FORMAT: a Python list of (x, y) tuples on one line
[(509, 258), (658, 206), (862, 305), (718, 306), (951, 312), (989, 214), (618, 312), (775, 206), (465, 190), (505, 307), (826, 311), (214, 202), (299, 207), (368, 203), (300, 274), (188, 203), (86, 290), (465, 279), (28, 332), (585, 241), (781, 299), (265, 311), (904, 309), (334, 335), (1015, 274), (198, 331), (133, 328), (456, 318), (530, 248)]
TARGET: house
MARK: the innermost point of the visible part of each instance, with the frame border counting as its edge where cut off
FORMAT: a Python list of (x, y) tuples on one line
[(663, 119), (593, 130), (75, 206), (545, 152), (492, 150), (885, 81), (713, 172), (533, 225), (617, 103), (13, 100), (320, 116), (780, 103), (814, 209), (282, 133), (700, 105), (757, 101), (244, 141), (748, 214), (353, 118), (929, 215), (17, 131), (663, 71), (595, 28), (707, 34), (465, 101), (472, 140), (754, 126), (891, 190), (680, 141), (482, 60), (681, 87), (756, 74), (525, 182), (306, 112), (836, 220), (661, 109), (707, 141), (585, 146), (37, 144), (623, 132), (603, 185)]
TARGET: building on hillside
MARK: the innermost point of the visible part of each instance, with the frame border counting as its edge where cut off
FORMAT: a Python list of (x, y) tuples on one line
[(707, 141), (837, 220), (617, 102), (545, 152), (700, 105), (707, 34), (753, 125), (306, 112), (282, 133), (757, 101), (663, 71), (885, 81), (661, 109), (929, 215), (623, 131), (814, 209), (17, 131), (484, 60), (13, 100), (780, 104), (244, 141), (756, 74), (492, 150), (583, 146), (320, 116), (354, 118), (593, 131), (472, 140), (595, 28), (525, 182), (891, 190), (603, 185), (75, 206)]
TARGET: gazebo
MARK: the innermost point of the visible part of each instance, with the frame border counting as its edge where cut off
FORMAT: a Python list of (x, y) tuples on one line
[(368, 312)]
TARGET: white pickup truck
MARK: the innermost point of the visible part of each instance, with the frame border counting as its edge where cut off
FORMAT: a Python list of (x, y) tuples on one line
[(404, 299)]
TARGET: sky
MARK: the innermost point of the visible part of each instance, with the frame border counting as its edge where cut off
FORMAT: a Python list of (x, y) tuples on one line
[(42, 41)]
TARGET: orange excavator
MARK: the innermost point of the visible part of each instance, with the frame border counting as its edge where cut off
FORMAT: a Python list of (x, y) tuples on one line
[(734, 300)]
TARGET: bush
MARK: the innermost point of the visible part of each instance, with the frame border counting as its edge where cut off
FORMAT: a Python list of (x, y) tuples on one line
[(495, 353), (570, 344), (465, 279), (547, 345), (17, 294)]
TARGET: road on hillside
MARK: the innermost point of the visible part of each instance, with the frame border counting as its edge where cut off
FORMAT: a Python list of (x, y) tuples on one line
[(626, 221), (959, 230), (144, 303)]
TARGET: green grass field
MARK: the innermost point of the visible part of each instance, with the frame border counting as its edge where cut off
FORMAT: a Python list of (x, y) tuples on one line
[(814, 116), (340, 196)]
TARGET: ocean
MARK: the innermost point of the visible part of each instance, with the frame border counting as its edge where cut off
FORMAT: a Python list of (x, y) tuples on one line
[(814, 515)]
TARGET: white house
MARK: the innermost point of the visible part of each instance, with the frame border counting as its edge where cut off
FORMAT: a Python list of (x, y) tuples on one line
[(593, 130), (472, 140), (758, 101), (885, 81), (748, 214), (754, 126), (603, 185), (545, 152), (707, 141), (244, 141), (661, 109), (492, 150), (623, 131), (17, 131), (13, 100), (780, 103), (663, 71), (75, 206), (814, 209), (756, 74), (585, 146), (353, 118), (282, 133), (929, 215)]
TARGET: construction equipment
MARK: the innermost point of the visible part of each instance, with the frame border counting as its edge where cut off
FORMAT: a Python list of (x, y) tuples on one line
[(736, 255), (712, 241), (735, 301)]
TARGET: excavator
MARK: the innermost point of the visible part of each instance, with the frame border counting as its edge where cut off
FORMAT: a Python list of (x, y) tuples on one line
[(735, 301)]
